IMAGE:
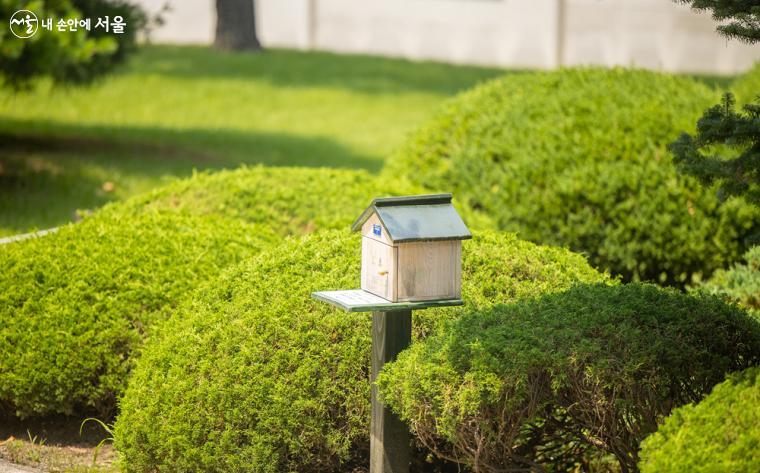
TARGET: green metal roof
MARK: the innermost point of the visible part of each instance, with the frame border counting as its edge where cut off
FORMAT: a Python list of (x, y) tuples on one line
[(416, 218)]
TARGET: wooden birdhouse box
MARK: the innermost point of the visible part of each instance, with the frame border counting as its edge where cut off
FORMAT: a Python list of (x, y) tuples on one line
[(412, 248)]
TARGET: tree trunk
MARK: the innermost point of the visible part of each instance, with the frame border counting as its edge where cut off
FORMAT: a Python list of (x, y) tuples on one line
[(236, 26)]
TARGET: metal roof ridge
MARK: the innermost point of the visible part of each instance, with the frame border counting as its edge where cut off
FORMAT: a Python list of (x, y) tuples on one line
[(425, 199)]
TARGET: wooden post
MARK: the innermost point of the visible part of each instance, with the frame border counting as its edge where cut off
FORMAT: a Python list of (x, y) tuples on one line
[(389, 439)]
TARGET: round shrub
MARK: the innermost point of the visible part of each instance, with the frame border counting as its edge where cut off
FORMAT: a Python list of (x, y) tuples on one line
[(719, 434), (75, 305), (254, 375), (288, 200), (562, 378), (578, 158), (740, 282)]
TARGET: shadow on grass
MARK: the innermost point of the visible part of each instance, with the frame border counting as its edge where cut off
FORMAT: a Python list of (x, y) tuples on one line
[(369, 74), (46, 177), (39, 190), (186, 148)]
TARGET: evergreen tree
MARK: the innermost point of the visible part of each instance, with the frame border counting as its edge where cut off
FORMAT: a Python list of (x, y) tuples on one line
[(740, 18), (723, 129), (726, 147)]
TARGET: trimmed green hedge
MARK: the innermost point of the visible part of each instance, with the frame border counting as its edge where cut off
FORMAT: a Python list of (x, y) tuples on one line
[(75, 305), (288, 200), (740, 282), (556, 379), (720, 434), (254, 375), (578, 158)]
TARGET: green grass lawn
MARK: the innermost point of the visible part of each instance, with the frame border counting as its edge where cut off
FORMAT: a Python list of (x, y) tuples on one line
[(175, 109)]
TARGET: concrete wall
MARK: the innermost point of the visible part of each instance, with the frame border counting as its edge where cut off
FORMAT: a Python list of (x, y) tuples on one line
[(187, 22), (655, 34), (508, 32)]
